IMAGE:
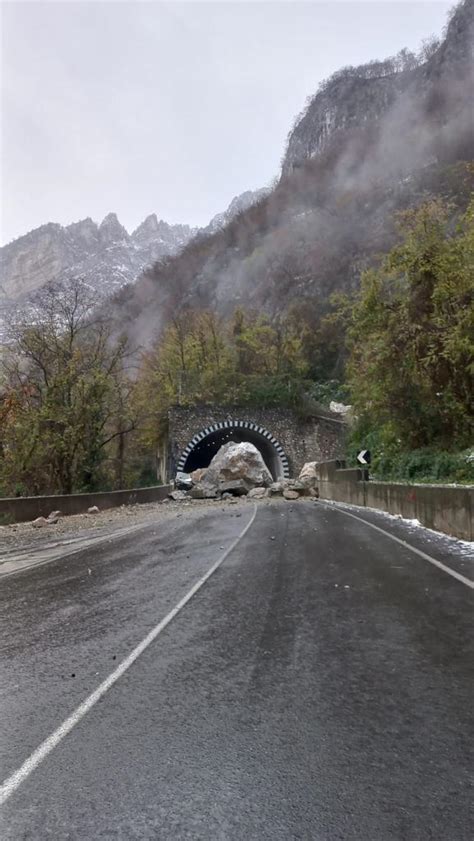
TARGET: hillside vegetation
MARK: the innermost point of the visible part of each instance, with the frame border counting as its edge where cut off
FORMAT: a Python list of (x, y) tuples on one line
[(81, 411), (332, 211), (352, 279)]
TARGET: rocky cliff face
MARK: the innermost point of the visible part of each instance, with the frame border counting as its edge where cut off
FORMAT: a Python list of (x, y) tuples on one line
[(106, 255), (238, 205), (356, 96), (374, 141)]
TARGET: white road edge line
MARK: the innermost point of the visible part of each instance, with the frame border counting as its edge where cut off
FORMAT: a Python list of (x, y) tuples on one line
[(14, 781), (439, 564)]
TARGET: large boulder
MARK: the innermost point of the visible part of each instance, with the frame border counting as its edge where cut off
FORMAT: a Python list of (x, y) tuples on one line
[(309, 471), (309, 478), (241, 462)]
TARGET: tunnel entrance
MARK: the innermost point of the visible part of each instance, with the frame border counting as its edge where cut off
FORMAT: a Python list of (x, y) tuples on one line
[(204, 446)]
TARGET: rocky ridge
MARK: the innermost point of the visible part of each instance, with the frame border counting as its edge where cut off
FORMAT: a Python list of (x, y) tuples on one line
[(354, 96), (105, 255), (374, 141)]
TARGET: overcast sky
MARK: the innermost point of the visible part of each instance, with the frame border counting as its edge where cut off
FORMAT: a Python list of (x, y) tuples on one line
[(171, 108)]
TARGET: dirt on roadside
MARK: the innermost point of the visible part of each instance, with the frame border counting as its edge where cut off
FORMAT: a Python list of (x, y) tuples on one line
[(21, 536)]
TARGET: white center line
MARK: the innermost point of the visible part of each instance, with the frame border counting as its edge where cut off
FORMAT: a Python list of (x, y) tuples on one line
[(436, 563), (14, 781)]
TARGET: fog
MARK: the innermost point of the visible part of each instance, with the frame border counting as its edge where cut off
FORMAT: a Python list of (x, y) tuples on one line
[(171, 108)]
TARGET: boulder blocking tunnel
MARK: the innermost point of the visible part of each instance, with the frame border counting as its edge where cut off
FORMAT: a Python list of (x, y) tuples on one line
[(203, 447), (285, 440)]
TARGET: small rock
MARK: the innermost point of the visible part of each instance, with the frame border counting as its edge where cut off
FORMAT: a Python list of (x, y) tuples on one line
[(93, 510), (55, 515), (258, 493), (183, 481), (276, 488), (296, 485), (40, 523), (178, 496), (289, 494)]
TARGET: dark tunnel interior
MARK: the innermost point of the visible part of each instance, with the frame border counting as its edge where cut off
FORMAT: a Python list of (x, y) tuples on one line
[(205, 450)]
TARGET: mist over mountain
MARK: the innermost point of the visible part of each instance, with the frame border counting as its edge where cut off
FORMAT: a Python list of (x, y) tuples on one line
[(373, 140), (105, 255)]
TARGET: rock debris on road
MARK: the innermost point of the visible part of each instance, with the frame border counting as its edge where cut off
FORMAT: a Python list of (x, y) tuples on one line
[(317, 686)]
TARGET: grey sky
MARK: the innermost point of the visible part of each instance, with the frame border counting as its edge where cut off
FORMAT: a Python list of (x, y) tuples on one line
[(171, 108)]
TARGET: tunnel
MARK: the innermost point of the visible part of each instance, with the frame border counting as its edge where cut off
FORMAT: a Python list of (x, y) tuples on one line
[(206, 443)]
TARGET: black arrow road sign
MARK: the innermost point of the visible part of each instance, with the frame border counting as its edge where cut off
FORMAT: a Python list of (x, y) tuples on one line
[(364, 457)]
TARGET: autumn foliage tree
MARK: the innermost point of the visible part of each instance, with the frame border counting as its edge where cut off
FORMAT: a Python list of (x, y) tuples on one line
[(411, 335), (201, 357), (63, 394)]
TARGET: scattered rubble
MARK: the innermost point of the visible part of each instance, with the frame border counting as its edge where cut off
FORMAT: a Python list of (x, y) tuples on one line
[(239, 470), (178, 496)]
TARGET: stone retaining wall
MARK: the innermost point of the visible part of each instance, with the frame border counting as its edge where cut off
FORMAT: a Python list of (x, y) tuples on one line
[(440, 507), (23, 509)]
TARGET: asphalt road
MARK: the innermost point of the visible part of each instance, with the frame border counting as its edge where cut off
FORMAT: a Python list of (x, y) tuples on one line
[(317, 686)]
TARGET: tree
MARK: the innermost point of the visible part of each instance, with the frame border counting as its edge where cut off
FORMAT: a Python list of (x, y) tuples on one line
[(411, 334), (64, 387)]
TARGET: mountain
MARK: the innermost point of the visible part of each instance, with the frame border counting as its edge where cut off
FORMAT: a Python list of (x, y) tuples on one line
[(401, 92), (106, 255), (374, 140), (238, 205)]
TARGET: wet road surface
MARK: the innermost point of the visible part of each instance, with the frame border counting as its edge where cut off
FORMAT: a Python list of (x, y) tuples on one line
[(318, 686)]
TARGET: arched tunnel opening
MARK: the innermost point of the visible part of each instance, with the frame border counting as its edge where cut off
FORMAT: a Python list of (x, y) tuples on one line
[(204, 447)]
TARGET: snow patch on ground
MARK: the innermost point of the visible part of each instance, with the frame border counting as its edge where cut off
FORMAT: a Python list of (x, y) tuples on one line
[(454, 544)]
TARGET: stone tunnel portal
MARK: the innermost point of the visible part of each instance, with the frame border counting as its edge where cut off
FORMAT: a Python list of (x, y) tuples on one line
[(204, 446)]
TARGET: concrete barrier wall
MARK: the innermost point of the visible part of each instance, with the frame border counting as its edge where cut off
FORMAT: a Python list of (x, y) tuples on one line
[(22, 509), (440, 507)]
